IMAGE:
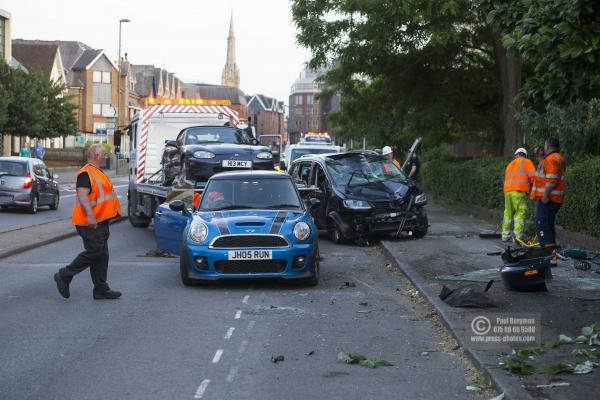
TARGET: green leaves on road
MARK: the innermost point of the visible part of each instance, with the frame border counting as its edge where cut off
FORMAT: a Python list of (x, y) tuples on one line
[(356, 358)]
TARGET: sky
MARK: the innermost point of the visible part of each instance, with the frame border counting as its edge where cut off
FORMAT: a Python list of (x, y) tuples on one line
[(186, 37)]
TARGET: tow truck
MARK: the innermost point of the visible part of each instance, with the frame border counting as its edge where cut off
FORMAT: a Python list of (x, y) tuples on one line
[(153, 134)]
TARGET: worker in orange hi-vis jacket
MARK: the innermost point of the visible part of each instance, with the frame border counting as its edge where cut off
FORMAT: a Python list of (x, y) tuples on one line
[(518, 177)]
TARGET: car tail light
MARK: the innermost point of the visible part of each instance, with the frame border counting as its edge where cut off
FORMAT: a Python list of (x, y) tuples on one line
[(28, 182)]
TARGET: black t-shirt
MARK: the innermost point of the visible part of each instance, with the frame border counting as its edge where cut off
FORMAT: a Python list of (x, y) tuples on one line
[(414, 162), (83, 181)]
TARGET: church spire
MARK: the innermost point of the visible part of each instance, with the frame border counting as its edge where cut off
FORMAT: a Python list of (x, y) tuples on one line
[(231, 73)]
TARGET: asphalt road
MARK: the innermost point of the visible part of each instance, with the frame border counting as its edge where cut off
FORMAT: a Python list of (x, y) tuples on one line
[(17, 218), (162, 340)]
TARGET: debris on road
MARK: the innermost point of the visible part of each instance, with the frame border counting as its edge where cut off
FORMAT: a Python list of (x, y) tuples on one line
[(157, 253), (356, 358), (310, 353), (363, 303), (277, 359), (517, 361), (471, 296), (472, 389), (554, 384), (350, 284)]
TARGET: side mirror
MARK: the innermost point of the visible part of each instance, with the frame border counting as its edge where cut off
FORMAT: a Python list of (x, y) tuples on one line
[(177, 205), (172, 143), (254, 142)]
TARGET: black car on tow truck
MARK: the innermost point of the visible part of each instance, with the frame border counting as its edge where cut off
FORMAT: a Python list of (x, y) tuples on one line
[(359, 194)]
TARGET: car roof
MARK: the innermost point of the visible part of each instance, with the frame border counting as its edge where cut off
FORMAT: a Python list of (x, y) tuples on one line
[(246, 174), (17, 158), (322, 157)]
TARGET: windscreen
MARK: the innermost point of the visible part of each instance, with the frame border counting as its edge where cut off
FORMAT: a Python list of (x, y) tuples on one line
[(252, 193), (13, 168), (360, 170), (296, 153), (204, 135)]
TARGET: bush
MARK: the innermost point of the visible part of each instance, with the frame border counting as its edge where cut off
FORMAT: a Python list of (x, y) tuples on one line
[(479, 181)]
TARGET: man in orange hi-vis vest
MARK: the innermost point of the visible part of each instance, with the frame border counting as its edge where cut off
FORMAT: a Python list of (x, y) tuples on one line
[(96, 204), (548, 192), (518, 177)]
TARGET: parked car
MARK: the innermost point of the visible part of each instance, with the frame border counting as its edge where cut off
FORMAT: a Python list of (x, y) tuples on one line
[(27, 182), (249, 224), (203, 151), (361, 194)]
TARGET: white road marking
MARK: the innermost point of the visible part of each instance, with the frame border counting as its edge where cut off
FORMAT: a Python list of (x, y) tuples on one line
[(246, 297), (232, 373), (251, 325), (229, 333), (243, 346), (217, 356), (238, 314), (201, 389)]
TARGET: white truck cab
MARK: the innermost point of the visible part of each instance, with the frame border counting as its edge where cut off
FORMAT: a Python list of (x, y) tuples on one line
[(310, 144)]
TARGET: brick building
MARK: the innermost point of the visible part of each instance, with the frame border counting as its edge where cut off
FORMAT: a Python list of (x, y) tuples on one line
[(267, 114)]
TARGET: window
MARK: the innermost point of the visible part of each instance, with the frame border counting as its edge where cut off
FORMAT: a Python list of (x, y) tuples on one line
[(299, 100), (97, 77), (107, 110), (309, 99), (97, 109), (105, 77)]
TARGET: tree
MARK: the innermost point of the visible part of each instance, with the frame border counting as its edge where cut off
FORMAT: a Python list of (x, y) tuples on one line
[(435, 60), (560, 38), (61, 117), (27, 109)]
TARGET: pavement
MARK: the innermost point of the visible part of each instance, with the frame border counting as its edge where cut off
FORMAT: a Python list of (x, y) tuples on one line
[(451, 250), (163, 340), (20, 230)]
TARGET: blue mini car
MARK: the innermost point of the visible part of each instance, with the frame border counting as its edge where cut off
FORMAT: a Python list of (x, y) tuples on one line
[(249, 224)]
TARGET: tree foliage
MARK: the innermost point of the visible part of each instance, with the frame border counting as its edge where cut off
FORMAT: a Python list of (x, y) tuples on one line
[(404, 68), (31, 105), (560, 39)]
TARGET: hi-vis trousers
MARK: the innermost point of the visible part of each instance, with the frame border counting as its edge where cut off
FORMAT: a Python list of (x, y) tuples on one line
[(515, 211)]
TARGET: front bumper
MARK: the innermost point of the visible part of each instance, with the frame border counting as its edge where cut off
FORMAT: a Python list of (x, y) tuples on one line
[(368, 224), (216, 259), (15, 199), (203, 169)]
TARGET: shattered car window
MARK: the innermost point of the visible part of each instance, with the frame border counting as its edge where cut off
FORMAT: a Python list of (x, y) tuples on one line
[(360, 170)]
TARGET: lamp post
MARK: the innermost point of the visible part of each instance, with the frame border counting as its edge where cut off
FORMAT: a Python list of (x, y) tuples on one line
[(121, 21)]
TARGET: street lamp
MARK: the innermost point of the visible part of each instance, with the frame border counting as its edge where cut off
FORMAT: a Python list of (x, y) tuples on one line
[(121, 21)]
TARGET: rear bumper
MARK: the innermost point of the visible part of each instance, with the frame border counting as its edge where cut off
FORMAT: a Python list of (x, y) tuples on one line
[(216, 257), (203, 169), (15, 199)]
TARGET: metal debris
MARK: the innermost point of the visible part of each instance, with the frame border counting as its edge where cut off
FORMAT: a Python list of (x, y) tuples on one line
[(277, 359), (356, 358), (554, 384)]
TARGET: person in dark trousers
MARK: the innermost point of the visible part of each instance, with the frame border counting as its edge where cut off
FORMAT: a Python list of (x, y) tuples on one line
[(96, 204), (414, 165)]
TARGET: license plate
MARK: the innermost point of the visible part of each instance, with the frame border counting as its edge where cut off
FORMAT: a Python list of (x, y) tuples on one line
[(250, 255), (5, 199), (237, 164)]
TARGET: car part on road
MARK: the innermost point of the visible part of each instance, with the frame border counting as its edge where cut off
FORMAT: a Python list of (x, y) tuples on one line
[(277, 359), (526, 270), (467, 296), (357, 358)]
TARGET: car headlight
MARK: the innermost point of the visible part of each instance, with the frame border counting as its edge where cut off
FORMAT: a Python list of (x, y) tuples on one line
[(357, 204), (421, 199), (198, 231), (264, 155), (204, 154), (302, 231)]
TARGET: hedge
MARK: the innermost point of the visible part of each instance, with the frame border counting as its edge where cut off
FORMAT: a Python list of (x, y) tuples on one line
[(479, 181)]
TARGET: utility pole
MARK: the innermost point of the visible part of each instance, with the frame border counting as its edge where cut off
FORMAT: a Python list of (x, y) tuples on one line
[(118, 114)]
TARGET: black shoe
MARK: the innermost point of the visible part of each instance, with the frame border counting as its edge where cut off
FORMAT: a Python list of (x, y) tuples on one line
[(108, 295), (62, 286)]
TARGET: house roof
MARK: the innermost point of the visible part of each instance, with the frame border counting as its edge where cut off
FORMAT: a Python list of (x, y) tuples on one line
[(36, 57), (266, 103), (144, 80), (214, 92)]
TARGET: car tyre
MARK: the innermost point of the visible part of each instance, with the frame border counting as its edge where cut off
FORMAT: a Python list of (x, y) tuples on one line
[(33, 207), (55, 201), (335, 234), (184, 268), (4, 207), (422, 230), (315, 269), (135, 220)]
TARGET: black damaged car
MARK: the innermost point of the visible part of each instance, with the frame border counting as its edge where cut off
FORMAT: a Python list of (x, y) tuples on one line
[(200, 152), (357, 195)]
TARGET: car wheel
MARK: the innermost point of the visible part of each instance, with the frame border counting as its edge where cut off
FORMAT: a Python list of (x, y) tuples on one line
[(54, 205), (4, 207), (184, 267), (315, 269), (33, 207), (335, 234), (421, 231)]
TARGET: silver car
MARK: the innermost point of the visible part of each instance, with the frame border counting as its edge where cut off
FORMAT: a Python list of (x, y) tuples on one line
[(27, 182)]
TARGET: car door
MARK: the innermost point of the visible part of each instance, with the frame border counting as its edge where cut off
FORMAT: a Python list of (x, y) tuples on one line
[(52, 183), (169, 225), (42, 183), (320, 181)]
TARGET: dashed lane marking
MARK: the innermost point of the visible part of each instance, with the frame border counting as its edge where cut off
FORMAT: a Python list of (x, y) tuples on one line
[(202, 389), (246, 297), (238, 314), (229, 333), (217, 356), (231, 374)]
